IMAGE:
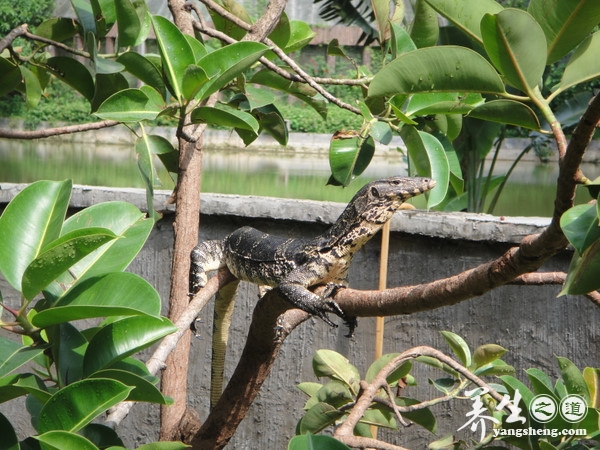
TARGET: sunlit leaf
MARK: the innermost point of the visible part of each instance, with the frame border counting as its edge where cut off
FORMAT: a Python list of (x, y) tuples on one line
[(33, 89), (580, 225), (582, 276), (335, 393), (316, 442), (143, 390), (130, 21), (317, 418), (57, 29), (123, 338), (400, 40), (114, 294), (327, 363), (76, 405), (14, 355), (30, 221), (516, 45), (141, 67), (442, 103), (485, 354), (381, 362), (573, 379), (194, 77), (458, 346), (592, 379), (437, 69), (64, 440), (424, 30), (107, 85), (225, 115)]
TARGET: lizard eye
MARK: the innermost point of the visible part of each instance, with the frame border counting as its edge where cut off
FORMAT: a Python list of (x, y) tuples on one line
[(375, 192)]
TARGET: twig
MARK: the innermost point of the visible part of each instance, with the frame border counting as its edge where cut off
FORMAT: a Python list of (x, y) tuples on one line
[(49, 132), (7, 40)]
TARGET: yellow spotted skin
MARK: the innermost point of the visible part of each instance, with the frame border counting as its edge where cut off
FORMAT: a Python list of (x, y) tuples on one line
[(294, 266)]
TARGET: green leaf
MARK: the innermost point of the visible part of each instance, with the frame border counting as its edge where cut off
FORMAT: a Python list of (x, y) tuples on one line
[(68, 348), (540, 382), (317, 418), (583, 64), (60, 255), (380, 416), (10, 76), (335, 393), (128, 105), (466, 14), (107, 85), (516, 45), (592, 379), (495, 368), (226, 116), (582, 276), (194, 77), (381, 132), (400, 40), (163, 446), (143, 390), (349, 156), (507, 111), (573, 379), (33, 89), (327, 363), (34, 385), (130, 16), (429, 158), (64, 440), (114, 294), (512, 385), (442, 103), (226, 63), (9, 437), (485, 354), (565, 23), (272, 122), (422, 417), (101, 435), (57, 29), (316, 442), (124, 220), (29, 222), (394, 376), (309, 388), (124, 338), (85, 14), (76, 405), (175, 52), (458, 346), (300, 35), (437, 69), (73, 73), (424, 30), (141, 67), (580, 225)]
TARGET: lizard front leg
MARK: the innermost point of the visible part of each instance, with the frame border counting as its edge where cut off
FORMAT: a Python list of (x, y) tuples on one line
[(205, 257)]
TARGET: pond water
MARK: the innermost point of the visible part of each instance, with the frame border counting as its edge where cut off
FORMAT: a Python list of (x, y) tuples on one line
[(277, 173)]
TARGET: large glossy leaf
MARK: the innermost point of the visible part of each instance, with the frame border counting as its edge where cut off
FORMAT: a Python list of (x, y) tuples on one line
[(129, 105), (29, 222), (376, 366), (14, 355), (580, 225), (124, 338), (429, 158), (458, 346), (60, 255), (335, 393), (33, 89), (124, 220), (73, 73), (316, 442), (76, 405), (141, 67), (143, 390), (582, 276), (85, 14), (442, 103), (226, 63), (516, 45), (437, 69), (573, 379), (175, 52), (485, 354), (583, 64), (34, 385), (349, 156), (115, 294), (226, 116), (565, 23), (423, 417), (57, 29), (466, 14), (9, 437), (64, 440), (591, 376), (107, 85), (194, 77), (508, 112), (318, 417), (68, 348)]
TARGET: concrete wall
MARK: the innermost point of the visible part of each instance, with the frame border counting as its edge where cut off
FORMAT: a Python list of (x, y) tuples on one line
[(530, 322)]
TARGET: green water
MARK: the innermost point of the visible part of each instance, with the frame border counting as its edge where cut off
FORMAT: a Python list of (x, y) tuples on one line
[(530, 192)]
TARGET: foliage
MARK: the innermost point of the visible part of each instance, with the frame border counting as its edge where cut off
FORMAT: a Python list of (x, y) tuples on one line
[(331, 403), (71, 375), (31, 12)]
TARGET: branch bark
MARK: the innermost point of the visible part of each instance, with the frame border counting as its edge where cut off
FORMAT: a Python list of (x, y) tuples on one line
[(57, 131)]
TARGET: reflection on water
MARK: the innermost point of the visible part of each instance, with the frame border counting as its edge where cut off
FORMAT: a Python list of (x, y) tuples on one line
[(281, 173)]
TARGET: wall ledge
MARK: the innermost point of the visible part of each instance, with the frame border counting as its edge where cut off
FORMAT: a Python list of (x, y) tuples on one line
[(453, 225)]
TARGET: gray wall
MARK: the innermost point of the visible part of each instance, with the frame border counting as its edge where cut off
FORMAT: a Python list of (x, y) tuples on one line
[(531, 322)]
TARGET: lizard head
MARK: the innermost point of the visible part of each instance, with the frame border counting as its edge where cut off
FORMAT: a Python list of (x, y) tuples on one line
[(378, 200)]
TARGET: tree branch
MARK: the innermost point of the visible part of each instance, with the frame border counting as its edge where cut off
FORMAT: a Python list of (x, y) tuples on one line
[(50, 132), (7, 40)]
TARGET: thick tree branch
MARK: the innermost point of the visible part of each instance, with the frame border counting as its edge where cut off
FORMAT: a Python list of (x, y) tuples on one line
[(57, 131), (7, 40)]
